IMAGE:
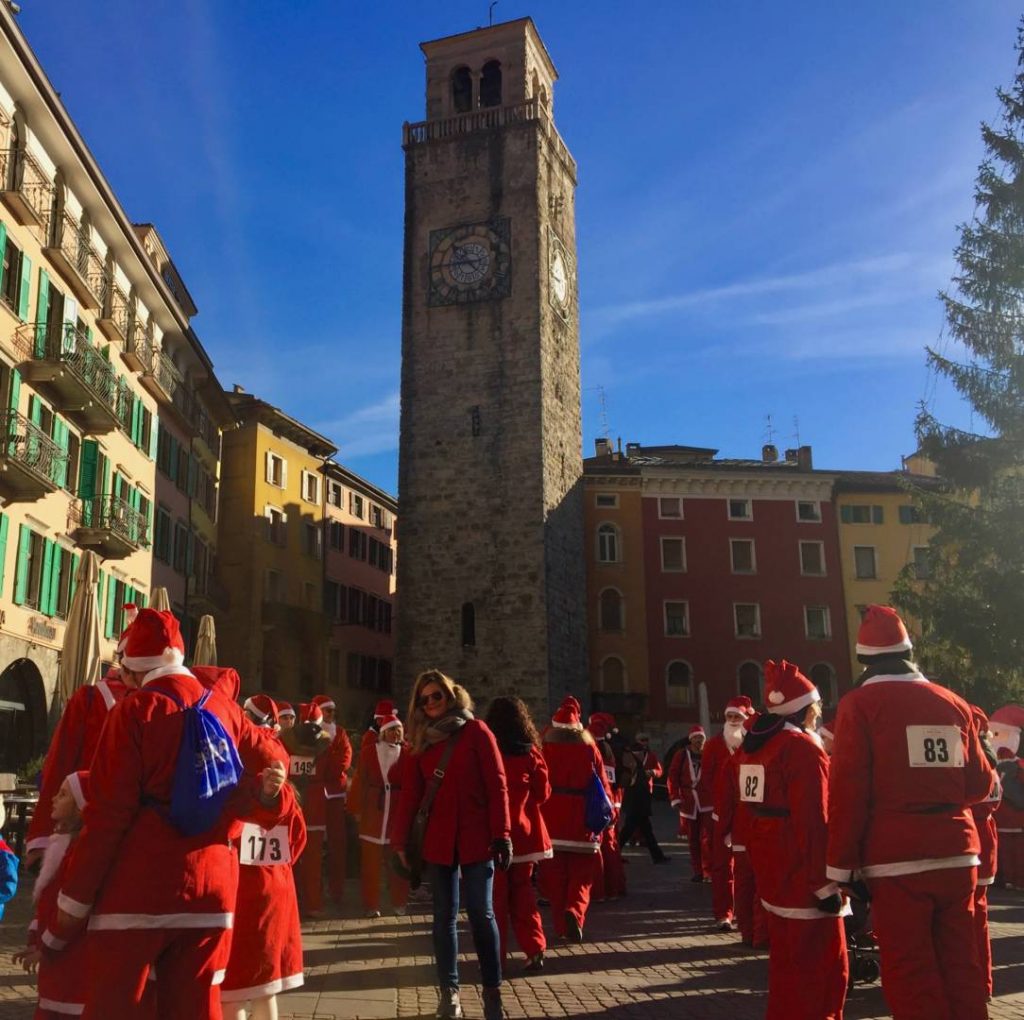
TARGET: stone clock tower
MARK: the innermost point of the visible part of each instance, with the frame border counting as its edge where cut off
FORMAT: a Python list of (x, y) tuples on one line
[(490, 568)]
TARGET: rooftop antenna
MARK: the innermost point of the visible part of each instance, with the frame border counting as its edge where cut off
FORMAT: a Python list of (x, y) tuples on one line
[(796, 429), (490, 12), (605, 427), (769, 430)]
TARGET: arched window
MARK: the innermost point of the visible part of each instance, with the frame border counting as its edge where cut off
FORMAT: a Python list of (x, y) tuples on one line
[(612, 610), (468, 624), (824, 678), (613, 674), (490, 84), (608, 544), (462, 90), (679, 684), (751, 682)]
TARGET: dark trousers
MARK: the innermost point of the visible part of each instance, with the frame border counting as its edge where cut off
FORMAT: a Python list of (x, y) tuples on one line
[(642, 825)]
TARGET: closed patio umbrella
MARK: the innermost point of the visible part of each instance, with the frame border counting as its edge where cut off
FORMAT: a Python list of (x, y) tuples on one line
[(205, 652), (159, 600), (80, 657)]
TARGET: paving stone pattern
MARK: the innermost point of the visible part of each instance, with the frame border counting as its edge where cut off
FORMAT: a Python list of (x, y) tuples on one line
[(653, 955)]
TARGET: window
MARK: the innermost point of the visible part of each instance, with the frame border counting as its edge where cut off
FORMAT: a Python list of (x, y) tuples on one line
[(334, 667), (739, 510), (679, 684), (274, 586), (468, 625), (670, 507), (751, 681), (335, 494), (823, 676), (608, 544), (162, 535), (673, 554), (864, 563), (861, 513), (910, 514), (312, 541), (490, 84), (922, 566), (808, 511), (355, 505), (311, 487), (817, 624), (677, 619), (613, 674), (748, 619), (611, 610), (277, 526), (607, 500), (181, 536), (63, 569), (74, 457), (337, 536), (335, 600), (376, 515), (462, 90), (357, 544), (352, 666), (356, 606), (10, 276), (277, 470), (812, 558), (742, 552)]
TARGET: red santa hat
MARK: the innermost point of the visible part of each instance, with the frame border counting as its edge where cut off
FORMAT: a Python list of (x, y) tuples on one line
[(390, 722), (598, 726), (262, 709), (383, 709), (284, 709), (787, 690), (570, 702), (1006, 724), (606, 717), (152, 641), (131, 613), (568, 716), (325, 701), (80, 787), (741, 704), (309, 712), (882, 632), (697, 731)]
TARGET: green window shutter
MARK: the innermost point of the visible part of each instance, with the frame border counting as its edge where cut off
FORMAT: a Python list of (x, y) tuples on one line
[(111, 606), (102, 475), (141, 601), (136, 419), (21, 570), (88, 463), (35, 410), (15, 397), (56, 562), (154, 439), (74, 578), (61, 435), (26, 278), (101, 580), (846, 514), (876, 515), (42, 310), (4, 525), (44, 578), (3, 250)]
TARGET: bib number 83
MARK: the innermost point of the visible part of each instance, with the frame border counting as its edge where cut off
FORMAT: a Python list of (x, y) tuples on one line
[(935, 747)]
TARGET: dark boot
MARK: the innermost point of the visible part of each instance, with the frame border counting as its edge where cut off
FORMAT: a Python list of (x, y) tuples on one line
[(573, 931), (493, 1009), (534, 964)]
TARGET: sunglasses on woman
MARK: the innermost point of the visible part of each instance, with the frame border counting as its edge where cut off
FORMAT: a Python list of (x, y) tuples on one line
[(430, 698)]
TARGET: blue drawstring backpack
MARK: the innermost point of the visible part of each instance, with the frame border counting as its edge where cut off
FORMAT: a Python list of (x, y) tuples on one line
[(207, 771), (598, 811)]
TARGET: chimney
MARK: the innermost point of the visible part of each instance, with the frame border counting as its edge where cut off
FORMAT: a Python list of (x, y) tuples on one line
[(603, 447), (237, 389), (803, 458), (769, 453), (791, 456), (631, 449)]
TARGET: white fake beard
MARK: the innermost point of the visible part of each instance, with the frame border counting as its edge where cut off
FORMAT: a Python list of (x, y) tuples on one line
[(52, 857), (330, 729), (387, 755), (733, 735)]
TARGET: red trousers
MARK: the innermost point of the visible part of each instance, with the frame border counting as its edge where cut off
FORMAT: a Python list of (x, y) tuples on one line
[(373, 857), (308, 872), (186, 963), (698, 838), (721, 872), (609, 873), (337, 848), (807, 969), (515, 902), (751, 917), (981, 934), (927, 944), (566, 882)]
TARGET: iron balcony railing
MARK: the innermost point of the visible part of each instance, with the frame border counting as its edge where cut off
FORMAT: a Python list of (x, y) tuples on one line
[(115, 308), (23, 175), (23, 441), (108, 513), (73, 240), (70, 347)]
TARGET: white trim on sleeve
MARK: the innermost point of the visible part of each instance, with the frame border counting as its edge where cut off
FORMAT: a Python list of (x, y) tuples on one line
[(73, 907), (839, 874), (65, 1008), (134, 922), (575, 845), (51, 941)]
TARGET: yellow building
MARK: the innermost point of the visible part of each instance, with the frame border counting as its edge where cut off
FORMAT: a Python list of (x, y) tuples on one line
[(880, 532), (271, 559)]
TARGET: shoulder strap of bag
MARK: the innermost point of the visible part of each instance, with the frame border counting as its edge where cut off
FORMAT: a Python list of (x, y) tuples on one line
[(435, 780)]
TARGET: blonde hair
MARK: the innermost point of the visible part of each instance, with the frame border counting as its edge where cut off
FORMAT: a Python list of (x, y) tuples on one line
[(455, 697)]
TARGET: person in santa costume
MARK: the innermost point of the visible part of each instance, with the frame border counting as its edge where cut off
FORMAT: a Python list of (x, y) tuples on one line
[(783, 781), (309, 748), (335, 792), (285, 715), (640, 766), (526, 772), (261, 710), (266, 944), (906, 767), (1005, 726), (384, 709), (146, 890), (683, 775), (716, 753), (984, 819), (372, 799), (610, 873), (572, 759)]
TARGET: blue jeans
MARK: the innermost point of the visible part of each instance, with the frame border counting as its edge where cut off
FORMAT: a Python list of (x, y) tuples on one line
[(477, 886)]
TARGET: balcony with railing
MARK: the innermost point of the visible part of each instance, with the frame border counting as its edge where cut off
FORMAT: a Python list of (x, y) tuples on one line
[(32, 465), (82, 382), (163, 379), (70, 249), (108, 525), (488, 119), (27, 187), (138, 344), (113, 319)]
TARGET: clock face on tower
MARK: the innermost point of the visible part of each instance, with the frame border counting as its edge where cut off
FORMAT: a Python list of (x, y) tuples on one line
[(470, 262), (561, 276)]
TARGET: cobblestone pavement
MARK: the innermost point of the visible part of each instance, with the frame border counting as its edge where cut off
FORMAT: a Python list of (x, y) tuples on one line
[(651, 955)]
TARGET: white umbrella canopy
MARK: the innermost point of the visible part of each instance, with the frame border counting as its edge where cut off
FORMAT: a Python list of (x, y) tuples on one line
[(160, 600), (80, 661), (205, 651)]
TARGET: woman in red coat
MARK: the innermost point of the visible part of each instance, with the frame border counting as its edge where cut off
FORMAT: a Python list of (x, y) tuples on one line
[(467, 830), (573, 760), (528, 788)]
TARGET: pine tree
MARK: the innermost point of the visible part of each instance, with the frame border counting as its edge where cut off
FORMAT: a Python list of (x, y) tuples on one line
[(971, 607)]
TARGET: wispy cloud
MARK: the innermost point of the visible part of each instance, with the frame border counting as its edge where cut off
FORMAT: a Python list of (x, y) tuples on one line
[(368, 430)]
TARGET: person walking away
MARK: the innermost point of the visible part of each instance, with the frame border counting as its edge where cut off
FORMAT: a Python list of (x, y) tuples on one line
[(339, 760), (1005, 725), (783, 780), (984, 819), (373, 799), (683, 775), (906, 766), (467, 830), (526, 773), (641, 767), (610, 873)]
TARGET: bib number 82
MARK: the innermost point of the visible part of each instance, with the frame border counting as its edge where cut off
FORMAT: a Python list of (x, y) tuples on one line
[(752, 783)]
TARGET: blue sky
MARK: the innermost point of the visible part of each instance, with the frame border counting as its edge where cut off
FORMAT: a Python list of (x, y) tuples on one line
[(767, 202)]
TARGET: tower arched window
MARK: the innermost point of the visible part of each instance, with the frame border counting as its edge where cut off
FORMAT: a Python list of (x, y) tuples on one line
[(462, 90), (679, 684), (824, 678), (613, 674), (468, 624), (612, 610), (490, 84), (751, 682), (608, 544)]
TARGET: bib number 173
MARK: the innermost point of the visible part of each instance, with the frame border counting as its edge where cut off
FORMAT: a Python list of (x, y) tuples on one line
[(261, 846), (935, 747)]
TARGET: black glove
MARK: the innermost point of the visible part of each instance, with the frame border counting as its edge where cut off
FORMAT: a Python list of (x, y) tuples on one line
[(831, 904), (501, 851), (857, 890)]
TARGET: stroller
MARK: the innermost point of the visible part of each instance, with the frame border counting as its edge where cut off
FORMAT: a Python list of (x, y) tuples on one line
[(861, 943)]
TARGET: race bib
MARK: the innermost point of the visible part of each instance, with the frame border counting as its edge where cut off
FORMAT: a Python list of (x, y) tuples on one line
[(609, 774), (935, 747), (302, 766), (264, 846), (752, 783)]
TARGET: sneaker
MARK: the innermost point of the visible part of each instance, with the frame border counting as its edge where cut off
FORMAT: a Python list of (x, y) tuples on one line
[(371, 914), (534, 964), (727, 924), (573, 931), (449, 1007), (493, 1008)]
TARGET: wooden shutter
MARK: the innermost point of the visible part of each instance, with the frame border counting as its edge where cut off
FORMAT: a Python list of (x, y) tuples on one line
[(44, 578), (136, 432), (109, 621), (59, 472), (53, 587), (88, 464), (35, 411), (3, 251), (73, 583), (4, 526), (15, 397), (172, 471), (26, 277), (21, 568), (42, 310)]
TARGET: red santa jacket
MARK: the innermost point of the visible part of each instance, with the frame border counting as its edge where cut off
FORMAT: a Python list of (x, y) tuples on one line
[(784, 784), (339, 759), (984, 814), (604, 746), (376, 787), (732, 813), (308, 769), (907, 763), (714, 755), (1010, 819), (72, 748), (528, 789), (570, 769), (126, 838), (470, 810), (683, 776)]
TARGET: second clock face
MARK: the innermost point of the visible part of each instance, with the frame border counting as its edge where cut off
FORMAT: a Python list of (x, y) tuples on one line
[(471, 262)]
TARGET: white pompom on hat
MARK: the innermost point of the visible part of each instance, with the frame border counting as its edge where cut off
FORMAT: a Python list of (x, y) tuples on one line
[(882, 632), (153, 641), (787, 690)]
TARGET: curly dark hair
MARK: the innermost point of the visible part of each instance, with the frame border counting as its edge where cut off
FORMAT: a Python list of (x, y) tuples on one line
[(509, 720)]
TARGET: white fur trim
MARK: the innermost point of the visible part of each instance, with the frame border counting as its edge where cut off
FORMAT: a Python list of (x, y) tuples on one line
[(391, 725), (907, 678), (52, 942), (326, 704), (135, 922), (144, 663), (261, 991), (897, 868), (575, 846), (826, 732), (218, 977), (540, 855), (839, 874), (75, 786), (73, 907), (261, 717), (39, 843), (903, 646), (106, 694), (737, 849), (66, 1008), (155, 674), (826, 890), (795, 704), (804, 913), (566, 725), (987, 881)]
